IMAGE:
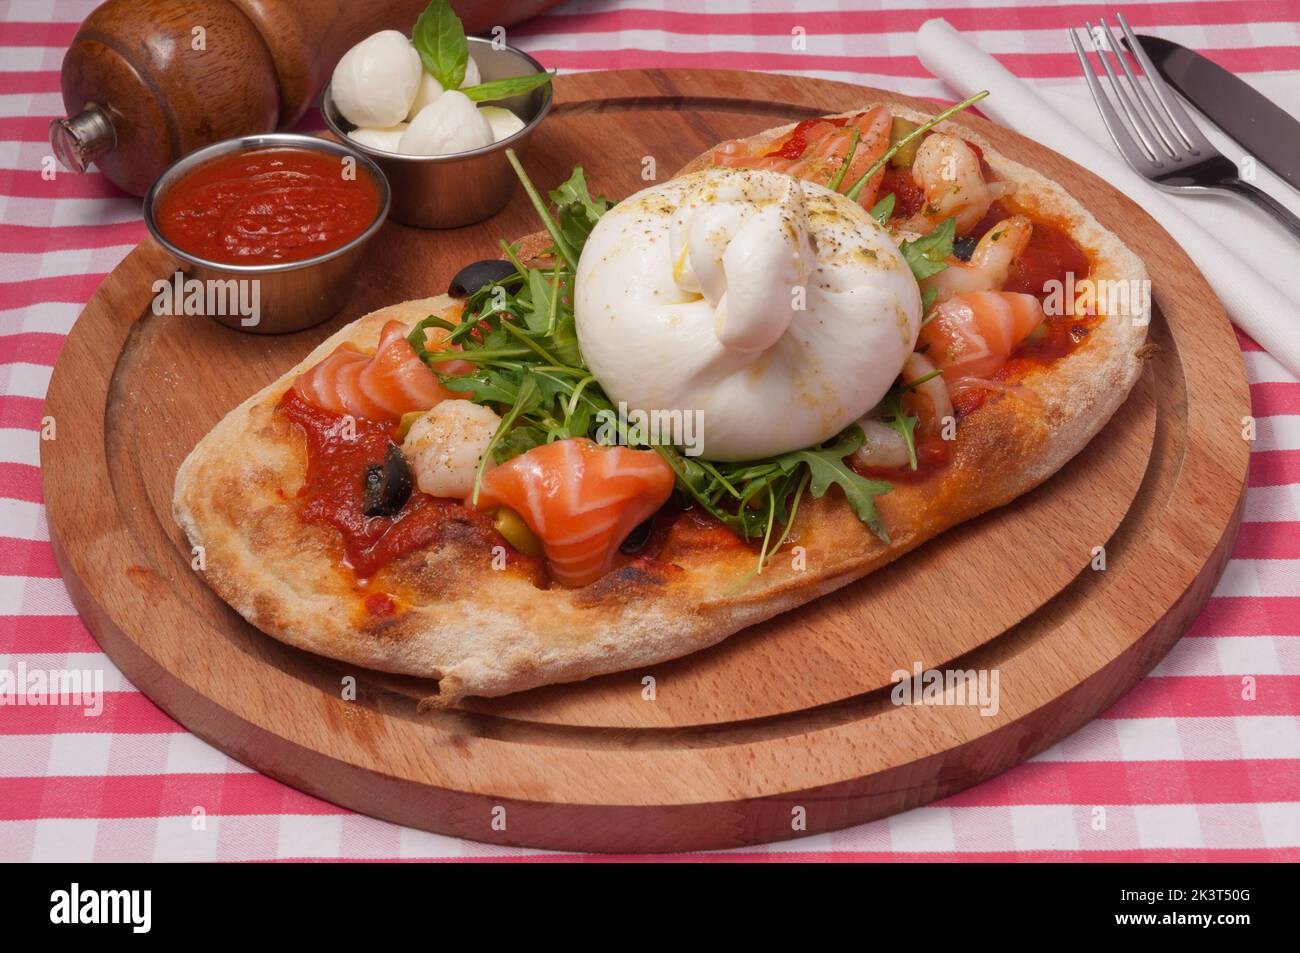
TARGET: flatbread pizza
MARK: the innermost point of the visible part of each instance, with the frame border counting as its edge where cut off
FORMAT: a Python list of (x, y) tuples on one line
[(676, 416)]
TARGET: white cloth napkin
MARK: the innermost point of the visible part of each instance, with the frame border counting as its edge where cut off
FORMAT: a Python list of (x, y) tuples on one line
[(1249, 246)]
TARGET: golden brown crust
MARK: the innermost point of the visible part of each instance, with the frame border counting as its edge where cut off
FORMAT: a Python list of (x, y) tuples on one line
[(484, 631)]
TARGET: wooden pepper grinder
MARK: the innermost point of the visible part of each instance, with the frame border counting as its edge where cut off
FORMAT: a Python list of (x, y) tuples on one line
[(146, 81)]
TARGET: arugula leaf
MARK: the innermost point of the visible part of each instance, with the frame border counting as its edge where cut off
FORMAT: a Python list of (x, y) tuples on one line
[(794, 510), (927, 255), (576, 211), (505, 88), (913, 385), (834, 183), (579, 421), (439, 37), (573, 190), (562, 245), (566, 341), (519, 440), (525, 399), (487, 387), (416, 335), (856, 189), (537, 315), (883, 209), (927, 300), (826, 466), (903, 422)]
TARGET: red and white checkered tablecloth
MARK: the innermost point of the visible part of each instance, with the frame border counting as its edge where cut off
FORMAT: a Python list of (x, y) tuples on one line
[(1187, 766)]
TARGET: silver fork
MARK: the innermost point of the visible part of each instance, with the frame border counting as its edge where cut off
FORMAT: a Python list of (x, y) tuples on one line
[(1155, 136)]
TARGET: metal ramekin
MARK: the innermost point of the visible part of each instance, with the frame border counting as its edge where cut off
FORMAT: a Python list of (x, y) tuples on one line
[(465, 187), (292, 295)]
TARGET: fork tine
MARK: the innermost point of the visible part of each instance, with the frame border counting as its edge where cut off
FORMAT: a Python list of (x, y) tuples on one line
[(1124, 141), (1177, 117), (1138, 125), (1162, 130)]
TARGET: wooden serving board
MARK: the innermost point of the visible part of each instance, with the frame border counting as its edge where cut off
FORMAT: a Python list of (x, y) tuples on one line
[(789, 715)]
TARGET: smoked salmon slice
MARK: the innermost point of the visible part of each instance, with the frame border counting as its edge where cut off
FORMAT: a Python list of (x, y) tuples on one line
[(974, 334), (814, 150), (383, 386), (581, 500)]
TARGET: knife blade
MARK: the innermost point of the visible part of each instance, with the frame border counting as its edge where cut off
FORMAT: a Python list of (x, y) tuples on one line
[(1266, 131)]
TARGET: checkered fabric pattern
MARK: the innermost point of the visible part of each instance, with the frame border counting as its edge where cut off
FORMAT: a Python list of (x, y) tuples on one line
[(1186, 766)]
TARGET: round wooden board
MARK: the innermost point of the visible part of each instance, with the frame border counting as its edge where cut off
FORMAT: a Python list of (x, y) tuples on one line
[(793, 713)]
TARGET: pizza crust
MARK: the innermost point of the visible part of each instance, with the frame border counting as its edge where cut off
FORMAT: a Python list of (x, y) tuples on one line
[(481, 631)]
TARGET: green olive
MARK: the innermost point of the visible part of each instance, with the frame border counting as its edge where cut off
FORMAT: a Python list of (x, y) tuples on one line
[(404, 426), (903, 158), (516, 532)]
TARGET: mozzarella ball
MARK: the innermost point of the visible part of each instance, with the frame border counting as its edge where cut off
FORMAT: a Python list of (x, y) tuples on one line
[(385, 139), (504, 123), (451, 123), (430, 89), (472, 77), (445, 445), (375, 82)]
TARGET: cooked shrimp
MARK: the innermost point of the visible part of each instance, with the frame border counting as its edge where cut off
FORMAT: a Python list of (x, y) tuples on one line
[(928, 398), (972, 335), (383, 386), (927, 401), (581, 499), (730, 153), (989, 264), (884, 446), (949, 173), (445, 445)]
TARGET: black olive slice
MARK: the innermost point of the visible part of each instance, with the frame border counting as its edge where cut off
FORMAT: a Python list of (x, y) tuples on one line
[(489, 271), (637, 539), (963, 248), (388, 484)]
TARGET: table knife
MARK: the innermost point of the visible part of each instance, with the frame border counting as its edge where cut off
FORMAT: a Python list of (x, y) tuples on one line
[(1265, 130)]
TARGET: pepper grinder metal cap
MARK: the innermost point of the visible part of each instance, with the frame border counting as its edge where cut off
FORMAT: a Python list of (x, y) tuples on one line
[(80, 139)]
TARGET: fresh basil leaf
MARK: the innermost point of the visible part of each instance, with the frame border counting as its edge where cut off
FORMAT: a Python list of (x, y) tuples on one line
[(883, 209), (505, 88), (927, 255), (439, 38)]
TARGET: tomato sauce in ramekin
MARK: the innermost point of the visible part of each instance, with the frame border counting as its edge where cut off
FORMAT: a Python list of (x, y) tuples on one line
[(269, 205)]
